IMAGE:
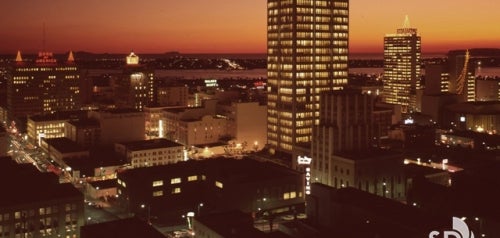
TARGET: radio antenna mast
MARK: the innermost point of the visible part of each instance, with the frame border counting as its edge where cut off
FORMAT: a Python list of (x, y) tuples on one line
[(43, 38)]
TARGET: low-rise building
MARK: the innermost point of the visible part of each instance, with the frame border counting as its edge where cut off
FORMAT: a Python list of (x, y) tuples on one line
[(229, 224), (246, 123), (195, 126), (85, 132), (101, 189), (62, 149), (50, 125), (128, 227), (219, 184), (172, 95), (151, 152), (116, 124), (349, 212), (377, 171)]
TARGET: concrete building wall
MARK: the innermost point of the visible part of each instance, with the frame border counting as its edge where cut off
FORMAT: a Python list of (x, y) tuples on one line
[(120, 126), (251, 124)]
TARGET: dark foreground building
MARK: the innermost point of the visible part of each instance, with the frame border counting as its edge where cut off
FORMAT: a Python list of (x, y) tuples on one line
[(34, 204), (203, 186), (124, 228)]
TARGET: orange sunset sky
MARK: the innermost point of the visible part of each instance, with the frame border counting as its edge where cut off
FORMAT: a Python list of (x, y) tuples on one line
[(229, 26)]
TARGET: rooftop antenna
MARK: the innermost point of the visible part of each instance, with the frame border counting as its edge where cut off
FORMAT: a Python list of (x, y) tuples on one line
[(406, 23), (43, 38)]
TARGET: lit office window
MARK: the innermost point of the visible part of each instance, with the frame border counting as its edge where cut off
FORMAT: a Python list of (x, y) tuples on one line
[(175, 180), (176, 190), (158, 193), (219, 184), (157, 183)]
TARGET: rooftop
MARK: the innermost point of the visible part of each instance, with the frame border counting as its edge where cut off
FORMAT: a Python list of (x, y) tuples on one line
[(121, 110), (150, 144), (25, 184), (85, 122), (234, 170), (64, 145), (373, 153), (62, 115), (103, 184), (128, 227), (231, 224), (481, 108)]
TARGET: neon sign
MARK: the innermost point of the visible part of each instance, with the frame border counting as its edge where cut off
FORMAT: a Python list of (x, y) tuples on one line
[(306, 161)]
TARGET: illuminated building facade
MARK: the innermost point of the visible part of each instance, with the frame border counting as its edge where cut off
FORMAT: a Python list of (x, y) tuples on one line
[(462, 73), (307, 53), (194, 125), (43, 87), (402, 68), (50, 125), (155, 124), (135, 88), (153, 152)]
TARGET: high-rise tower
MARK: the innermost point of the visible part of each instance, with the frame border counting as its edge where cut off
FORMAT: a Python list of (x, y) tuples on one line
[(43, 87), (307, 44), (402, 67), (135, 87)]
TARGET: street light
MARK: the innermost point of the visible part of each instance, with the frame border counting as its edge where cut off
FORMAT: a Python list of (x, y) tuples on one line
[(199, 208), (149, 212)]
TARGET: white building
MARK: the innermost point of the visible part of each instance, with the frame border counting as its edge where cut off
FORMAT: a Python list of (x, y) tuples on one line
[(155, 152)]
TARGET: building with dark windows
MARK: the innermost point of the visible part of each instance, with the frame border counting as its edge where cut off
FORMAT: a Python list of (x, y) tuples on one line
[(349, 122), (119, 125), (172, 95), (128, 227), (219, 184), (402, 68), (34, 204), (43, 86), (86, 132), (348, 212), (135, 87), (307, 53)]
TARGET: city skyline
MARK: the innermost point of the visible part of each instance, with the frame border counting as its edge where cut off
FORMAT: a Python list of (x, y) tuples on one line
[(224, 26)]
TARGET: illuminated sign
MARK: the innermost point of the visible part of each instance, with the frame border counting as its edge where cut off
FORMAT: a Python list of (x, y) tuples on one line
[(409, 121), (308, 181), (211, 83), (306, 161), (160, 128), (462, 119)]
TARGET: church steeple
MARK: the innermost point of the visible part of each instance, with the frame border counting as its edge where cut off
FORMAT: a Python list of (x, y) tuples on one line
[(19, 58)]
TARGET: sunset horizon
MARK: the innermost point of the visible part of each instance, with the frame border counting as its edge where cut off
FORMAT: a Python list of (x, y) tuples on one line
[(225, 26)]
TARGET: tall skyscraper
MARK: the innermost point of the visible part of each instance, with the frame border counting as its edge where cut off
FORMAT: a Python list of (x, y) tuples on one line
[(135, 88), (307, 45), (402, 67), (462, 75), (43, 87)]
